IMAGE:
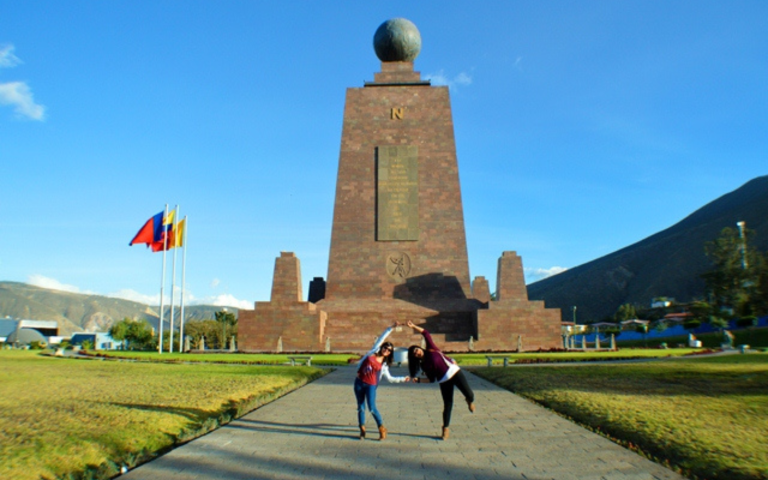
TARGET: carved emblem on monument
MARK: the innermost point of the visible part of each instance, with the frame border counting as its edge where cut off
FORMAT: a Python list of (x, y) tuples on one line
[(398, 265)]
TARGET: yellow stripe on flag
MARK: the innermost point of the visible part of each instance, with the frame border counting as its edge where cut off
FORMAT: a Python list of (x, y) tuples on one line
[(169, 218), (178, 236)]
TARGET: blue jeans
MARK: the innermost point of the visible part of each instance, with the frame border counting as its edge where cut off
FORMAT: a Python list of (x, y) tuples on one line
[(366, 393)]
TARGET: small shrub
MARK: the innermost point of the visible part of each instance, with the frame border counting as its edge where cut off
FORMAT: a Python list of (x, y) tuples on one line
[(37, 345)]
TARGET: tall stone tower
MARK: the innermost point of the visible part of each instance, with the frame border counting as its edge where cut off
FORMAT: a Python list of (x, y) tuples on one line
[(398, 244)]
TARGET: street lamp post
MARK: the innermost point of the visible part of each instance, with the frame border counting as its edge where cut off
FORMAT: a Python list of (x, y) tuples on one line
[(645, 336), (743, 248), (574, 322)]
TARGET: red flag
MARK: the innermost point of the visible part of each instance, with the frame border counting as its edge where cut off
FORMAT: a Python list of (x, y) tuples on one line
[(148, 231)]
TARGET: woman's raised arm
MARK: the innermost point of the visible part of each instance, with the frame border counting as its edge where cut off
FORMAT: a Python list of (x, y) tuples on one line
[(414, 327)]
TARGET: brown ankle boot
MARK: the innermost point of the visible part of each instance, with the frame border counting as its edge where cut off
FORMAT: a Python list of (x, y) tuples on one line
[(446, 433), (382, 433), (362, 432)]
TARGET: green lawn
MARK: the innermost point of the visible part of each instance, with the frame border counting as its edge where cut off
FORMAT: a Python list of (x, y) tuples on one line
[(326, 359), (329, 359), (66, 416), (478, 359), (706, 416)]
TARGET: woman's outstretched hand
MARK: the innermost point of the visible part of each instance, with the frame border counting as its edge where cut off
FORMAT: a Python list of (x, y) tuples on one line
[(414, 327)]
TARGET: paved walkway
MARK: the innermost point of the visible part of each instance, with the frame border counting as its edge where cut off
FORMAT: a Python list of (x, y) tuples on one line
[(312, 434)]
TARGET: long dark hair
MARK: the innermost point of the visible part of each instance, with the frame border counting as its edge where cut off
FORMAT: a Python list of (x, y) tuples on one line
[(387, 358), (414, 364)]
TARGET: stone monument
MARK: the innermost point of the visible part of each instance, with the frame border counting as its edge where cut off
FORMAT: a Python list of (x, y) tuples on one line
[(398, 245)]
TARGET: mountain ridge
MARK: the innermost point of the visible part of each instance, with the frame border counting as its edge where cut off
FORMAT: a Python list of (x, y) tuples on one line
[(77, 312), (668, 263)]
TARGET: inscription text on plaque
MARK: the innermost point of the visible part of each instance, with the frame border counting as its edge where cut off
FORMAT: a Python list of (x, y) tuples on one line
[(397, 193)]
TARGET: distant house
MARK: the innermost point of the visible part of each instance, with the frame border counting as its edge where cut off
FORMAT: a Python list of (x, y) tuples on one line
[(662, 302), (603, 325), (634, 322), (99, 340), (570, 328), (677, 317), (22, 332)]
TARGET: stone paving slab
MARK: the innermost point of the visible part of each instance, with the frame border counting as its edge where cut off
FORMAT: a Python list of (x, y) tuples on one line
[(312, 433)]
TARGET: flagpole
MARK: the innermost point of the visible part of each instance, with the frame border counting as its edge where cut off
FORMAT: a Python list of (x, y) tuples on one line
[(183, 279), (173, 278), (162, 283)]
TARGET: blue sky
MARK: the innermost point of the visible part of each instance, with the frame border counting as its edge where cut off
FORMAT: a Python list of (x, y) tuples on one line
[(581, 128)]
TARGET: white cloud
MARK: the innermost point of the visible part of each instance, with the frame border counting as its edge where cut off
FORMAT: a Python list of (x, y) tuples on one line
[(226, 300), (53, 284), (20, 97), (462, 79), (134, 296), (215, 282), (223, 300), (18, 94), (7, 58), (438, 78), (536, 274)]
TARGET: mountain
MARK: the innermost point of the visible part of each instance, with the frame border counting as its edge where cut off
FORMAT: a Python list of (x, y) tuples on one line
[(78, 312), (668, 264)]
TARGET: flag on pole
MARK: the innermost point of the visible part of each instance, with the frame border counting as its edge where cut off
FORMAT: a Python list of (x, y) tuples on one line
[(183, 240), (175, 237), (171, 243), (169, 219), (158, 246), (155, 231), (178, 234), (150, 231), (164, 234)]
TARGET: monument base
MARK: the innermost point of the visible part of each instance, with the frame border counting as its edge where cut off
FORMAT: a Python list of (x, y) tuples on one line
[(510, 323)]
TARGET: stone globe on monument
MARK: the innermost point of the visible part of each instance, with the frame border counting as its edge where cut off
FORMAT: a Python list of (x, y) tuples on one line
[(397, 40)]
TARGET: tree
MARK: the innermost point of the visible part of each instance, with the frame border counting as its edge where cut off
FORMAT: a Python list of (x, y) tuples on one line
[(119, 331), (736, 283), (203, 328), (625, 312), (137, 334), (226, 320), (703, 312), (660, 326)]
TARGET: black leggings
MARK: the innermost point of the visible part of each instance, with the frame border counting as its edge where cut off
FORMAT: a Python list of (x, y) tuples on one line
[(446, 389)]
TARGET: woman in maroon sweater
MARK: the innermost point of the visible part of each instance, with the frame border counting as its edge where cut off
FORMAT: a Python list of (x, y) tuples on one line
[(439, 368)]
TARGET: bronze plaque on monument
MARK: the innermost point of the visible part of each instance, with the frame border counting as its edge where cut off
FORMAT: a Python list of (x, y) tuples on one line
[(397, 193)]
